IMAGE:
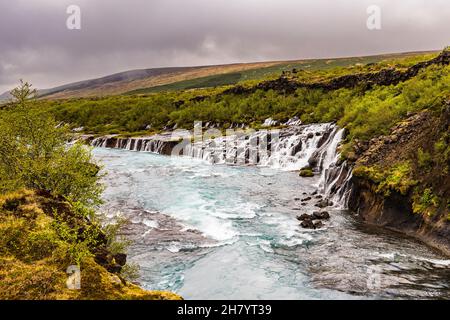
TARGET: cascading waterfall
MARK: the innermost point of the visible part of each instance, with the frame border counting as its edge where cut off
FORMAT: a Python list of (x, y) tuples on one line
[(290, 149), (287, 149), (335, 178)]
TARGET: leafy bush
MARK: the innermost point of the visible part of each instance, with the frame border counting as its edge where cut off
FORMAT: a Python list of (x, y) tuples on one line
[(425, 202), (35, 155), (424, 159)]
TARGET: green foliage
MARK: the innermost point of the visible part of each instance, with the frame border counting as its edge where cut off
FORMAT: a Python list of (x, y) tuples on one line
[(425, 203), (130, 272), (396, 178), (75, 248), (306, 172), (203, 82), (116, 243), (35, 155), (424, 159), (365, 113), (442, 153)]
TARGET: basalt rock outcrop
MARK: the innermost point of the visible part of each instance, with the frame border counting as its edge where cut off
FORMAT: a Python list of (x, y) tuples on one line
[(400, 211)]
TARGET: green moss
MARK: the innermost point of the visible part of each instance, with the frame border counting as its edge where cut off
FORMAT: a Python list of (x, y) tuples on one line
[(442, 153), (397, 178), (35, 252), (425, 202), (424, 159), (306, 172)]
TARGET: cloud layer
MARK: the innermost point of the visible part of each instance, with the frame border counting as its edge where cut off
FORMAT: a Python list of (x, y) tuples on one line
[(118, 35)]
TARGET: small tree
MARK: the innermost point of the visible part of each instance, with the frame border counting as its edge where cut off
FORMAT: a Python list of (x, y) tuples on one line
[(35, 154), (23, 93)]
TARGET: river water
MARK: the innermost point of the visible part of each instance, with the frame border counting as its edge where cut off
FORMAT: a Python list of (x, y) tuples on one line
[(230, 232)]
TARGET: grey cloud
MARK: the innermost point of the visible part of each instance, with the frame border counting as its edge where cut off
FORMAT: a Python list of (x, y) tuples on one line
[(118, 35)]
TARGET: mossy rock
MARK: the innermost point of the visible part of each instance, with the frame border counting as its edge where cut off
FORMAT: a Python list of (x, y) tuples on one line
[(306, 172)]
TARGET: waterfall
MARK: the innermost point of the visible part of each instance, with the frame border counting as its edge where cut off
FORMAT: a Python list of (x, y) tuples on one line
[(328, 158), (335, 178), (290, 149), (287, 149)]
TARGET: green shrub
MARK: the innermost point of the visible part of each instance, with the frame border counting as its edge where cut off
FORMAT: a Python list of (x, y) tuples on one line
[(425, 203), (35, 155), (424, 159)]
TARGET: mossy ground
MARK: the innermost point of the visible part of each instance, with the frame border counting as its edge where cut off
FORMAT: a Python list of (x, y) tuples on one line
[(34, 258)]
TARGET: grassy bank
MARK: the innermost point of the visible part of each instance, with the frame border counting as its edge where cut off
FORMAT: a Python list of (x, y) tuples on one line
[(49, 193), (40, 238)]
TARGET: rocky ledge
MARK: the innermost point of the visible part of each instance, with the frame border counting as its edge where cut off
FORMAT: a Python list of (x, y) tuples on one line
[(401, 181)]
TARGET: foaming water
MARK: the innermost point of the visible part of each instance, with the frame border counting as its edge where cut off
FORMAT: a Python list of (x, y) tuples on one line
[(228, 232)]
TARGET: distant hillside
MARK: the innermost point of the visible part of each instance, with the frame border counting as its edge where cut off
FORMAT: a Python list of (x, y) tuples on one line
[(183, 78), (260, 73), (4, 96), (137, 79)]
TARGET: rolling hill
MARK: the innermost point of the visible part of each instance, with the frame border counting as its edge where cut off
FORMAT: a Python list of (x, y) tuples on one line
[(153, 80)]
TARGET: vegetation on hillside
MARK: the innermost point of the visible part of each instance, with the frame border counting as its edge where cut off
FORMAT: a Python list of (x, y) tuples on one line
[(304, 70), (413, 161), (365, 113), (48, 194)]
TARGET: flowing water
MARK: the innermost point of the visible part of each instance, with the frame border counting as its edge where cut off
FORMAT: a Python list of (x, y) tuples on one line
[(230, 232)]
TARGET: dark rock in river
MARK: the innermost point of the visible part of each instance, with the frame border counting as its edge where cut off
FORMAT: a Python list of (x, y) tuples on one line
[(304, 216), (324, 203), (307, 224), (321, 215), (318, 224)]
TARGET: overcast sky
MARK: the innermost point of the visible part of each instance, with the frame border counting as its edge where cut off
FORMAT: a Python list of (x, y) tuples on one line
[(118, 35)]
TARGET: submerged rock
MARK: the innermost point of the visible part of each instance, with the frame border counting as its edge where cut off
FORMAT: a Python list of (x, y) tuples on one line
[(310, 224), (318, 224), (307, 224), (306, 172), (324, 203), (304, 216), (321, 215)]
